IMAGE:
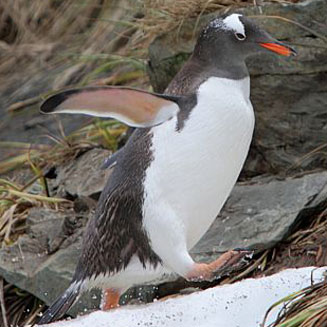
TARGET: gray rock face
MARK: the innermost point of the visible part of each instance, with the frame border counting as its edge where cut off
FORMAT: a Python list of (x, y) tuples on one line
[(83, 177), (256, 215), (43, 260), (289, 94), (262, 214)]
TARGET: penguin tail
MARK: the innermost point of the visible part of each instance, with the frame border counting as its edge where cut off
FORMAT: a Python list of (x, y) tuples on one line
[(62, 304)]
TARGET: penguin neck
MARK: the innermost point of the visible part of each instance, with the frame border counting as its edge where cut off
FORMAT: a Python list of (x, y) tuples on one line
[(198, 69), (222, 66)]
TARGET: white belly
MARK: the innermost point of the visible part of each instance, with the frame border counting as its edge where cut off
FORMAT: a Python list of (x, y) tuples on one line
[(194, 170)]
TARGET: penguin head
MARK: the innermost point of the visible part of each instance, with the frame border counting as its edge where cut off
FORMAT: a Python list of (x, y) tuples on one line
[(234, 37)]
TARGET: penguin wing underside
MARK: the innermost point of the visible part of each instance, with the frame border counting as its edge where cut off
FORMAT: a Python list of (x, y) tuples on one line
[(136, 108)]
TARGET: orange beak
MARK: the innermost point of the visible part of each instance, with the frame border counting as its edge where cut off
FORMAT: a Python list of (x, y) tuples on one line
[(279, 48)]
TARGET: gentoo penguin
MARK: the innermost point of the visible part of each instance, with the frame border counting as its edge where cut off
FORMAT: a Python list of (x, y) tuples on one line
[(173, 176)]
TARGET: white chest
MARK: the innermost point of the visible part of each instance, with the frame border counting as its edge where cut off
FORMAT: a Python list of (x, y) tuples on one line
[(194, 170)]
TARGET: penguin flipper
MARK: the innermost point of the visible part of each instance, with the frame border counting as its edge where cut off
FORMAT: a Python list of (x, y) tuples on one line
[(136, 108), (62, 304)]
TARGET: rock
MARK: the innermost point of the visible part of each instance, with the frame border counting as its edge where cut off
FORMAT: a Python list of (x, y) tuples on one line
[(262, 214), (257, 214), (289, 94), (29, 122), (28, 265), (43, 260), (83, 176)]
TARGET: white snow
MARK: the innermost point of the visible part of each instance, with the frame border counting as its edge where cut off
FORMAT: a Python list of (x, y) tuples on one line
[(242, 304)]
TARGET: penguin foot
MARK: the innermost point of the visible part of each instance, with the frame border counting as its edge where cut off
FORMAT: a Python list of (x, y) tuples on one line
[(227, 262), (200, 272), (110, 299)]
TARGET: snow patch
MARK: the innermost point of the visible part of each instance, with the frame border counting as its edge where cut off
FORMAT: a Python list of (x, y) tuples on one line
[(242, 304)]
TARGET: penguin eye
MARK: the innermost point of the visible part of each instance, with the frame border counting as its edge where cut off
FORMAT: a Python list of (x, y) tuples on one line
[(240, 37)]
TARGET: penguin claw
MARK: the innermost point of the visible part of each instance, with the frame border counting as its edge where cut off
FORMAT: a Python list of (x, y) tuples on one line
[(238, 258), (247, 253)]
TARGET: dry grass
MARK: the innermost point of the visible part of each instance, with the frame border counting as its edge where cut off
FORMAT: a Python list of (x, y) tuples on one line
[(98, 133), (168, 16), (306, 308), (22, 308), (47, 33), (89, 39), (15, 200)]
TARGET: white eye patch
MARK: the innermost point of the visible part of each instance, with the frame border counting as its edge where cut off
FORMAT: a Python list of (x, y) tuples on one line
[(233, 22)]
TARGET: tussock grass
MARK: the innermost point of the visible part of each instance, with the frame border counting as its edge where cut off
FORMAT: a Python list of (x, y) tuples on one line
[(44, 33), (98, 133), (22, 308), (169, 15), (15, 202), (306, 308)]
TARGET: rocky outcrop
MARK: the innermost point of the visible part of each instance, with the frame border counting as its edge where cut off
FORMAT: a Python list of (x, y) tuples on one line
[(261, 214), (44, 259), (258, 214), (289, 94)]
